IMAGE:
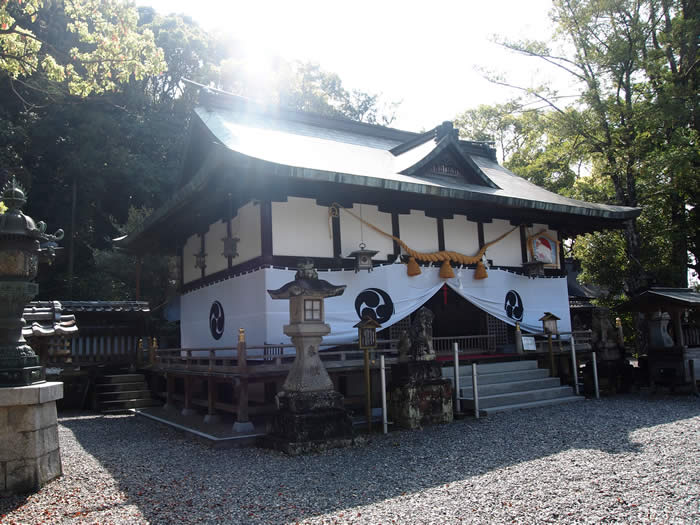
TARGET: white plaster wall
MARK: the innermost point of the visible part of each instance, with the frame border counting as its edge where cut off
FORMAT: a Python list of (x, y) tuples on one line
[(243, 299), (506, 252), (300, 227), (189, 272), (418, 231), (246, 226), (351, 234), (461, 235), (214, 247)]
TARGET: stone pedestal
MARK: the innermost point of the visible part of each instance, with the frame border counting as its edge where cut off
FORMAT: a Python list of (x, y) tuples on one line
[(419, 396), (29, 451), (309, 422)]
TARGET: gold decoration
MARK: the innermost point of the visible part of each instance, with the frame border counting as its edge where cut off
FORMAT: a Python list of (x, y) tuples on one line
[(480, 272), (412, 268), (446, 270)]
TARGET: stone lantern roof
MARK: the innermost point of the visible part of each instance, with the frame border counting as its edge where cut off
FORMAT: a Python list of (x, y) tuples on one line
[(13, 222)]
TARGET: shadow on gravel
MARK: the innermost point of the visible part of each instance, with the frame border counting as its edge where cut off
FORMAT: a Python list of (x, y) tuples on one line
[(174, 479)]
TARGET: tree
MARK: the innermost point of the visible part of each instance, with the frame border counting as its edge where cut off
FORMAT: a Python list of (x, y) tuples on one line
[(101, 46), (635, 124)]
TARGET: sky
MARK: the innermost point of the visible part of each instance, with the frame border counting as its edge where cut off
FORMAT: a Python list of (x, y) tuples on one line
[(427, 55)]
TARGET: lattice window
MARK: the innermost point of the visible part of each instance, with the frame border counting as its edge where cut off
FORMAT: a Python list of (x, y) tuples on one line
[(497, 328)]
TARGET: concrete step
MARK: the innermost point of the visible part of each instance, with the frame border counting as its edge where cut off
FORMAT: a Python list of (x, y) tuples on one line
[(512, 386), (504, 377), (124, 404), (515, 398), (531, 404), (122, 378), (116, 387), (490, 368), (123, 394)]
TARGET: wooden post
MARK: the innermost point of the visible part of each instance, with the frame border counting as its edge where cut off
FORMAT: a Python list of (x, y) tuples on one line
[(188, 410), (518, 339), (139, 353), (242, 423), (212, 416), (368, 392), (152, 352), (620, 333), (552, 371)]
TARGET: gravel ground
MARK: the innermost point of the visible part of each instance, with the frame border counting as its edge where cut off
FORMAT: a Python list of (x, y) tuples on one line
[(633, 459)]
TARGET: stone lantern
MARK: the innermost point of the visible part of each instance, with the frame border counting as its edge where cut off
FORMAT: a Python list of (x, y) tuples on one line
[(310, 413), (29, 434), (20, 248)]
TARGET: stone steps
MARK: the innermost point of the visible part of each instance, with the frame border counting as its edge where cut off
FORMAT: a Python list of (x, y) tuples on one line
[(120, 393), (510, 386)]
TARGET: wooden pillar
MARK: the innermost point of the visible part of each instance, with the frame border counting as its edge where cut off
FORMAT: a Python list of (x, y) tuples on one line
[(188, 410), (677, 328), (212, 416), (242, 423)]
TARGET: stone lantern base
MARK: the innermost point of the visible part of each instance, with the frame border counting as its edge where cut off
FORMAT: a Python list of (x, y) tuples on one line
[(419, 395), (29, 452), (309, 422)]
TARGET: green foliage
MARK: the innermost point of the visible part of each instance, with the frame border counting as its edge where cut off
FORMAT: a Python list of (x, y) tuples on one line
[(630, 138), (101, 46), (120, 144)]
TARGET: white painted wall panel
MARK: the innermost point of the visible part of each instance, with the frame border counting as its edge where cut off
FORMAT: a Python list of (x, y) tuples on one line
[(214, 247), (418, 231), (246, 226), (461, 235), (189, 272), (506, 252), (352, 232), (300, 228)]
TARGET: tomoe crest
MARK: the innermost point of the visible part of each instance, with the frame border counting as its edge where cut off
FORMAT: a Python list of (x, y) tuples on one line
[(514, 305), (216, 320), (374, 303)]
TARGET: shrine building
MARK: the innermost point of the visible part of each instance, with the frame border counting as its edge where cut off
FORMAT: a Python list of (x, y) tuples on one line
[(432, 219)]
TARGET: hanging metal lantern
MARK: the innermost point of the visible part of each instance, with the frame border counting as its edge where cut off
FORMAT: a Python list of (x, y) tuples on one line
[(200, 260), (230, 246), (363, 258)]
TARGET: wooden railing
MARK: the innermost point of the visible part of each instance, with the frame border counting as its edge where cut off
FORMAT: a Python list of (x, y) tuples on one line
[(468, 344), (271, 359), (110, 349)]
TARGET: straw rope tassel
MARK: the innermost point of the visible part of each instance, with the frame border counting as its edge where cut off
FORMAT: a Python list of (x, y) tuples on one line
[(445, 257)]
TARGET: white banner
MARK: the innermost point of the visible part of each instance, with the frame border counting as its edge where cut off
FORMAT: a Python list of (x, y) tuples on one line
[(386, 293)]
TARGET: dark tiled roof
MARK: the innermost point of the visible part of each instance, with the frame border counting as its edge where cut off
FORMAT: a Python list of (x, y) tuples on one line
[(105, 306), (45, 319)]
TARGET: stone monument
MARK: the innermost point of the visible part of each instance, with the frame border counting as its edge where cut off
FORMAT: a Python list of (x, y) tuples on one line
[(29, 451), (310, 414), (419, 396)]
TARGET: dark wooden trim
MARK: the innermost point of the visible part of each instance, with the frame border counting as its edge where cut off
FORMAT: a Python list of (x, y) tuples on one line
[(396, 233), (228, 234), (481, 234), (202, 247), (182, 264), (335, 226), (523, 243), (266, 228), (438, 213), (560, 238), (441, 234)]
